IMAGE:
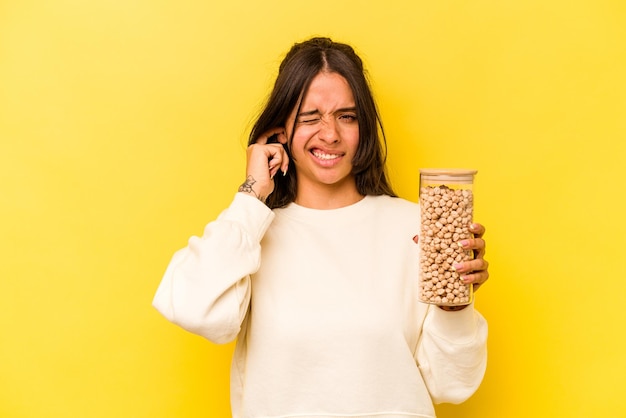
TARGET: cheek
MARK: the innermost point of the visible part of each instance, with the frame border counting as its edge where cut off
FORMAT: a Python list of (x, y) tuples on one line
[(302, 136), (350, 136), (297, 145)]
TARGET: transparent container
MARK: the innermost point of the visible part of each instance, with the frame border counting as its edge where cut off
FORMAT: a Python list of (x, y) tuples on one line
[(446, 211)]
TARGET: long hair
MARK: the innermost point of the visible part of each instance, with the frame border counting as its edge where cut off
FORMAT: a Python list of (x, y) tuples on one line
[(301, 64)]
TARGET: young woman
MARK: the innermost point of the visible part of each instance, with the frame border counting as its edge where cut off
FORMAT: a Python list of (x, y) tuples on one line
[(313, 267)]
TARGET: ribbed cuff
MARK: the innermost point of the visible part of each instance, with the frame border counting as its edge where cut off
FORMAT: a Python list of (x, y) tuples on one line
[(457, 326)]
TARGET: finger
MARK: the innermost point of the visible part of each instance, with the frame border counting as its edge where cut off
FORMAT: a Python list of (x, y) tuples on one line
[(273, 171), (476, 279), (473, 244), (266, 154), (264, 160), (282, 138), (272, 132), (277, 158), (477, 229), (469, 266)]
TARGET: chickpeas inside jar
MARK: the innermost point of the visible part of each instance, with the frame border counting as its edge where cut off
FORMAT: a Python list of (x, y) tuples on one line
[(446, 213)]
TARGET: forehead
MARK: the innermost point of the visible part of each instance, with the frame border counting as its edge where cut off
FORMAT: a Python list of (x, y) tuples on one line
[(329, 88)]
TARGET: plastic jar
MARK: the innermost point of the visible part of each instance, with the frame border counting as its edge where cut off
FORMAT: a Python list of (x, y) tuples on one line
[(446, 211)]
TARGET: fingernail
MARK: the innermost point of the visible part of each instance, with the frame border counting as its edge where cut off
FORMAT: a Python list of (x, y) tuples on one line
[(465, 279), (464, 243), (457, 266)]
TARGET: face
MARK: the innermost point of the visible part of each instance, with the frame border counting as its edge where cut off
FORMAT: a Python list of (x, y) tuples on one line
[(326, 137)]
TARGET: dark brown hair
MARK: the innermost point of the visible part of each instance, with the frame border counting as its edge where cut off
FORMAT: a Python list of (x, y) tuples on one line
[(301, 64)]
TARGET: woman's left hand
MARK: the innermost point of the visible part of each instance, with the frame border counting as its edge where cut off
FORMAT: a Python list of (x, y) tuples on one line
[(474, 271)]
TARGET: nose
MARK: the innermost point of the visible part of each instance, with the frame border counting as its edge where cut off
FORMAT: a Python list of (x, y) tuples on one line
[(328, 130)]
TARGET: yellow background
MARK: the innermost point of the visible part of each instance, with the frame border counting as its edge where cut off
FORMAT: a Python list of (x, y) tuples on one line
[(123, 127)]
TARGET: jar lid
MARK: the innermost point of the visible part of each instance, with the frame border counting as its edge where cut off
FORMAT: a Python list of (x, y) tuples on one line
[(448, 175)]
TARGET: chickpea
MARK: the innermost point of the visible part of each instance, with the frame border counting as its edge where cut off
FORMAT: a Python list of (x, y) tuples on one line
[(446, 216)]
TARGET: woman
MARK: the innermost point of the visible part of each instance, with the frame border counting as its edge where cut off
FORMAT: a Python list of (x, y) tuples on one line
[(313, 267)]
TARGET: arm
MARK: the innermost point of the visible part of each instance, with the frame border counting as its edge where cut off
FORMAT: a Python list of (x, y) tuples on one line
[(452, 353), (206, 287)]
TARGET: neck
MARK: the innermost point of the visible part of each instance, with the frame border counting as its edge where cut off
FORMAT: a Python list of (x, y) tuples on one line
[(327, 197)]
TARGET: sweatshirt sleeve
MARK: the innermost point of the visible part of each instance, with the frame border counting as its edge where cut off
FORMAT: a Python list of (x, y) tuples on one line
[(452, 354), (206, 286)]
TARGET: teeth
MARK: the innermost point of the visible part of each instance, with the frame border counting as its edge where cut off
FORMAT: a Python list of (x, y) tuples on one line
[(323, 156)]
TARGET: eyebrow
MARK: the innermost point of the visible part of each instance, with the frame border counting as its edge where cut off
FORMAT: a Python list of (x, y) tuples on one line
[(317, 112)]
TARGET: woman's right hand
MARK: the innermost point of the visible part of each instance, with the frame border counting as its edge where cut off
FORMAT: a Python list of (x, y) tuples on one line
[(264, 162)]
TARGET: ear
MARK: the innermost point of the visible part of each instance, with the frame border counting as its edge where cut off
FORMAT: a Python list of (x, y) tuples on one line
[(282, 137)]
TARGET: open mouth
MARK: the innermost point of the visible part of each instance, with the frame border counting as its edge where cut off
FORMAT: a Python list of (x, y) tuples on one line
[(324, 156)]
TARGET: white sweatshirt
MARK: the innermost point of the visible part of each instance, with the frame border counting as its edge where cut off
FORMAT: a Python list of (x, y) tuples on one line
[(325, 307)]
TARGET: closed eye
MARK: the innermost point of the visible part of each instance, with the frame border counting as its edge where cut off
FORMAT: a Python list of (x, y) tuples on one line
[(346, 115), (309, 117), (309, 120)]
